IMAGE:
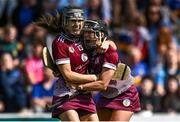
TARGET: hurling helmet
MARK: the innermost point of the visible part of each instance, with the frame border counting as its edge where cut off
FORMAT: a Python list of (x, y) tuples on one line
[(71, 13), (97, 27)]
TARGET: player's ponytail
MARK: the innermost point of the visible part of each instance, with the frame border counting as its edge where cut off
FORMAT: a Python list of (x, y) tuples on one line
[(51, 22)]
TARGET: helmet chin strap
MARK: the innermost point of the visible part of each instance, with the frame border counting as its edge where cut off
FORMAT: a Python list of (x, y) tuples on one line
[(100, 36), (100, 39), (104, 39)]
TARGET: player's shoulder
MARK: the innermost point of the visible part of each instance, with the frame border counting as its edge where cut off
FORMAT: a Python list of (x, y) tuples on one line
[(59, 38)]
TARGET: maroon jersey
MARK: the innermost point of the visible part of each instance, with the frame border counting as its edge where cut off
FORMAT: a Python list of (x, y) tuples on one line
[(120, 94), (109, 60), (66, 50)]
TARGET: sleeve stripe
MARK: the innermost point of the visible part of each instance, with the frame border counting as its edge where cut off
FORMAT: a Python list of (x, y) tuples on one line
[(109, 65), (63, 61)]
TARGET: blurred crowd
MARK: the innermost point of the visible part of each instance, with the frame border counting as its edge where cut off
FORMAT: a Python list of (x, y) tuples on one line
[(146, 32)]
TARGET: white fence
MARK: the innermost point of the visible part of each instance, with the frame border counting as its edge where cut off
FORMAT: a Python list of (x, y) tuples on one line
[(156, 118), (142, 117)]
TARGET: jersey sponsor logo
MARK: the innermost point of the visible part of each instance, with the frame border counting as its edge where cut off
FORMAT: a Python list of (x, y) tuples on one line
[(126, 102), (84, 57), (71, 49)]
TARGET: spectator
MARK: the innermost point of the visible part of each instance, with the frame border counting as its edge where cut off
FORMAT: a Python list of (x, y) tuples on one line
[(10, 83), (164, 40), (94, 9), (170, 67), (98, 9), (138, 67), (6, 9), (156, 2), (148, 97), (2, 106), (120, 10), (26, 12), (34, 65), (142, 36), (124, 43), (153, 22), (116, 13), (49, 5), (173, 16), (171, 100), (9, 42), (176, 27), (173, 4), (1, 33), (63, 3), (42, 93), (31, 34)]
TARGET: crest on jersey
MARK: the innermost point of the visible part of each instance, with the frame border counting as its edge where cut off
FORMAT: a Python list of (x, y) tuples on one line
[(84, 57), (71, 49), (126, 102)]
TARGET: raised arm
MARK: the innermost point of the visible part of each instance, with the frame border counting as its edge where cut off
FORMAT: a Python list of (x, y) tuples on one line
[(112, 44), (105, 45)]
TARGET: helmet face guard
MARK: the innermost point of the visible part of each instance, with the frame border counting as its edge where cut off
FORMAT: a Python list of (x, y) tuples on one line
[(72, 14), (72, 21), (93, 26), (92, 33)]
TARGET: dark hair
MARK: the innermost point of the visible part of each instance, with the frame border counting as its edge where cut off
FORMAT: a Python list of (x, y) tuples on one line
[(104, 27), (147, 77), (172, 77), (50, 21), (96, 25), (53, 21)]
